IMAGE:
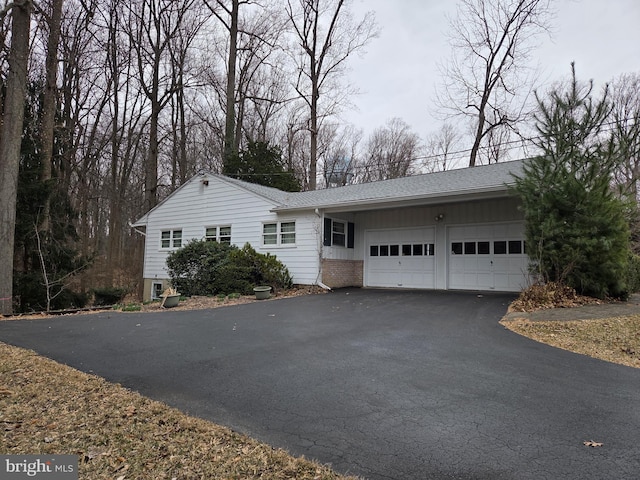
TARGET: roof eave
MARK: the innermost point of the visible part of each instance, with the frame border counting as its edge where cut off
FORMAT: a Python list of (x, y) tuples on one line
[(409, 201)]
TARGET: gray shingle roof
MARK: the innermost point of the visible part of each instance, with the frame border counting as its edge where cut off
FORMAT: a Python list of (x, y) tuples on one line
[(452, 183), (277, 196)]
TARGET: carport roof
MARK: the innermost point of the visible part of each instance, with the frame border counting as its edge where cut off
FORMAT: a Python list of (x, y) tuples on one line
[(487, 180)]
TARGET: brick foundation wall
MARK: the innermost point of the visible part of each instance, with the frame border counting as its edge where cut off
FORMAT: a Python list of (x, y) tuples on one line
[(342, 273)]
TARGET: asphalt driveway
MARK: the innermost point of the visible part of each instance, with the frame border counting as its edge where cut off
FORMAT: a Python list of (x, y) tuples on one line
[(382, 384)]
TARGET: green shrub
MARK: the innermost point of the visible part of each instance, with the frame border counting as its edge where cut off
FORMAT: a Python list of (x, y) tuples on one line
[(31, 296), (210, 268), (108, 295), (264, 269), (633, 273)]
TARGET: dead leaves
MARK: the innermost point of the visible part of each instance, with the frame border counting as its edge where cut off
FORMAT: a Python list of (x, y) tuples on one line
[(104, 423), (10, 426), (591, 443), (628, 350), (130, 411), (549, 295)]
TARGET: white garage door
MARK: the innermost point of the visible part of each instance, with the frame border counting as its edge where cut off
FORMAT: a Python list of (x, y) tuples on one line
[(487, 257), (400, 258)]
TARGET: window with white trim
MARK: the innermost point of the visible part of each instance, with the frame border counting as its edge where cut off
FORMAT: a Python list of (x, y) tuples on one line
[(288, 233), (156, 290), (171, 238), (279, 233), (218, 234), (338, 233)]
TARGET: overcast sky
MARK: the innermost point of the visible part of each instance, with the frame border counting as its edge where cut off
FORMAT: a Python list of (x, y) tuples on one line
[(398, 73)]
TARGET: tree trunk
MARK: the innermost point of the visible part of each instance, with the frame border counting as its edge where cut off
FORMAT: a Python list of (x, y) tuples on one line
[(10, 142), (476, 141), (182, 164), (49, 105), (151, 167), (229, 129), (313, 153)]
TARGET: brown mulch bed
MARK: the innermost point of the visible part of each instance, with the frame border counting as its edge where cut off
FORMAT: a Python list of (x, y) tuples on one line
[(201, 302), (186, 303)]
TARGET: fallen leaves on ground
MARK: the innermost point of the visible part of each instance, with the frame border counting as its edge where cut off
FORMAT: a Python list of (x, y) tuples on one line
[(615, 340), (549, 295), (49, 408), (591, 443)]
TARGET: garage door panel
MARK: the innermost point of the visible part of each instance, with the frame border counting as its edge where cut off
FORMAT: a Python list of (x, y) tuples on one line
[(482, 231), (413, 267), (487, 257)]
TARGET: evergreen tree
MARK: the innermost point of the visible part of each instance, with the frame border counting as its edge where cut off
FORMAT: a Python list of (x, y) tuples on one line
[(45, 260), (262, 164), (576, 224)]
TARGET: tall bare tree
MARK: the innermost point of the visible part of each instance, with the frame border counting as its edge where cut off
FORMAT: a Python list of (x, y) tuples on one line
[(49, 100), (10, 141), (261, 76), (227, 13), (122, 132), (625, 124), (326, 37), (152, 26), (488, 79), (341, 158), (390, 152), (440, 149)]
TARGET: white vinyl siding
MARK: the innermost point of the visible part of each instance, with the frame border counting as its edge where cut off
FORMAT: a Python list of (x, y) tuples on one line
[(195, 206)]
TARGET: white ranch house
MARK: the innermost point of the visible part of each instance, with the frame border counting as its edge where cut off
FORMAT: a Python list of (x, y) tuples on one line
[(458, 229)]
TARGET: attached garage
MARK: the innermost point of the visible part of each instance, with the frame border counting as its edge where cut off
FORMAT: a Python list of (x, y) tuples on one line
[(457, 229), (400, 258), (487, 257)]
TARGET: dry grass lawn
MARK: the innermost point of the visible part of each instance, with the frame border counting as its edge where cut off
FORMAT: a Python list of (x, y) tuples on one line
[(612, 339), (46, 407)]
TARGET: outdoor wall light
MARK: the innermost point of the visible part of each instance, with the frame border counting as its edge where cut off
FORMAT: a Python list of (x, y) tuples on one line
[(439, 217)]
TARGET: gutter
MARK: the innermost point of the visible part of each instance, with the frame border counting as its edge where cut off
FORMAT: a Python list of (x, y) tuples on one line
[(131, 225)]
